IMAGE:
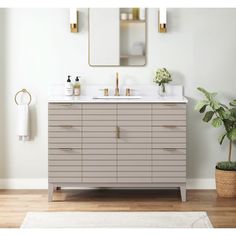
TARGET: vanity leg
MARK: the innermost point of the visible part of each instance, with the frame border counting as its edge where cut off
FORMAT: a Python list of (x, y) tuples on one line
[(50, 192), (58, 187), (183, 193)]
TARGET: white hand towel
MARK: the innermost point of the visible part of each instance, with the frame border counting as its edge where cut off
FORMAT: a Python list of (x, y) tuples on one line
[(23, 122)]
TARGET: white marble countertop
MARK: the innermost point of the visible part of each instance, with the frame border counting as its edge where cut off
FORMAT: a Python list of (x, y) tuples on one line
[(143, 99)]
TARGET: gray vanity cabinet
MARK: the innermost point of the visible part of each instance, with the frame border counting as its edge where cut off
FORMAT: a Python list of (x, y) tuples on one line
[(117, 145)]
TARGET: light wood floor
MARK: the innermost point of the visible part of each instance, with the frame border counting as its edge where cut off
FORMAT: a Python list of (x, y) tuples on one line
[(14, 204)]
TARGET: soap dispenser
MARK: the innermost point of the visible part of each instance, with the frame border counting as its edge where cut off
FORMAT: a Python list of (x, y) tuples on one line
[(77, 86), (68, 87)]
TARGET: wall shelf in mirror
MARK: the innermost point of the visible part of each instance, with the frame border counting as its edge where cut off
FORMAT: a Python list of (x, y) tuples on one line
[(133, 21)]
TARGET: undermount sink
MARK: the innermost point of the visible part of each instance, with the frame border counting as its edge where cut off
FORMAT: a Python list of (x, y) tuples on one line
[(117, 97)]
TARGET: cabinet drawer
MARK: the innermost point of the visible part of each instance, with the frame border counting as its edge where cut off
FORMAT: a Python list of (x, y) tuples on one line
[(169, 157), (76, 174), (101, 151), (134, 168), (99, 162), (133, 174), (99, 146), (169, 168), (134, 145), (99, 157), (168, 129), (169, 140), (67, 129), (134, 180), (142, 162), (172, 174), (64, 117), (99, 135), (65, 163), (64, 135), (63, 123), (99, 174), (64, 140), (169, 145), (123, 140), (63, 112), (65, 146), (169, 117), (168, 180), (65, 180), (169, 123), (99, 180), (99, 129), (169, 106), (169, 162), (134, 117), (64, 106), (133, 112), (170, 112), (99, 106), (131, 106), (99, 117), (129, 157), (99, 140), (99, 123), (64, 157), (169, 151), (124, 134), (99, 112), (168, 135), (136, 123), (64, 168), (135, 130), (98, 168), (134, 151), (65, 151)]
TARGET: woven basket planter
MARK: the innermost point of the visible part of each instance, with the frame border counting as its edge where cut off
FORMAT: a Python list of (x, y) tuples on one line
[(225, 183)]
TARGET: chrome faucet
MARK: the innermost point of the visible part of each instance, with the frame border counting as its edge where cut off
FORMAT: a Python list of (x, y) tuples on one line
[(117, 92)]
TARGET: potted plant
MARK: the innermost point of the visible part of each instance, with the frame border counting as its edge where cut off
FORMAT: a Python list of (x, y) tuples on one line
[(221, 115), (162, 77)]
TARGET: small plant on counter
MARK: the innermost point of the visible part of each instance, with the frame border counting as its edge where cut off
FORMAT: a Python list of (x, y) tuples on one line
[(220, 115), (162, 77)]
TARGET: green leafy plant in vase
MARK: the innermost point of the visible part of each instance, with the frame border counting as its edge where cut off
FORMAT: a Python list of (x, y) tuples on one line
[(221, 115), (162, 77)]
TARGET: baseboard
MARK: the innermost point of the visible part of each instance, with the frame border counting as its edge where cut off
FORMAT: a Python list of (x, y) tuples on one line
[(43, 183)]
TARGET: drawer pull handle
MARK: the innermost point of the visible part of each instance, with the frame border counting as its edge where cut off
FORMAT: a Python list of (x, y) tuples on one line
[(66, 149), (169, 126), (117, 132)]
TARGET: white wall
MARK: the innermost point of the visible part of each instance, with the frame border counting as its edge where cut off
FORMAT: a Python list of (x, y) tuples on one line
[(37, 50)]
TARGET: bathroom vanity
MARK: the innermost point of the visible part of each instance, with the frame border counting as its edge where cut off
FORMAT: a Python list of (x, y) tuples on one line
[(138, 143)]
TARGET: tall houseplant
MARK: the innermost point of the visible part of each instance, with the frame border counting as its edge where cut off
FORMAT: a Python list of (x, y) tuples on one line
[(162, 77), (221, 115)]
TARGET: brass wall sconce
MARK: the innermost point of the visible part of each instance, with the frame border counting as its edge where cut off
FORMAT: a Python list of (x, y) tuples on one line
[(162, 20), (74, 26)]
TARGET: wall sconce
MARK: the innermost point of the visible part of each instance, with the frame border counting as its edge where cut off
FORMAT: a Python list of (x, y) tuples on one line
[(73, 20), (162, 16)]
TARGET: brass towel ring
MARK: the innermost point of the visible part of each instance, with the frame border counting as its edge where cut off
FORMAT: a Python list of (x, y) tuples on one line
[(23, 91)]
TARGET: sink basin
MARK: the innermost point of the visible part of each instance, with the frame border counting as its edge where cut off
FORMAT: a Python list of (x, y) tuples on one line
[(117, 97)]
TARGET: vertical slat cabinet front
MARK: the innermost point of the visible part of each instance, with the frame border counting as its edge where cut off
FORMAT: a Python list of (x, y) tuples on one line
[(99, 143), (64, 143), (169, 143), (134, 143)]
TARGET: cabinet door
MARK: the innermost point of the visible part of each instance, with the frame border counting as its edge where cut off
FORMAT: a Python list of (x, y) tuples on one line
[(64, 143), (169, 143), (134, 143), (99, 143)]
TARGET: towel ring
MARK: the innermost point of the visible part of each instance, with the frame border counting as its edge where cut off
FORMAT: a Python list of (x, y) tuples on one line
[(23, 91)]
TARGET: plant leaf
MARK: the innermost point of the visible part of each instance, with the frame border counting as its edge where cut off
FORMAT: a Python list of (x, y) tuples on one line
[(206, 93), (202, 110), (216, 122), (201, 104), (214, 104), (233, 103), (232, 134), (208, 116), (221, 138)]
